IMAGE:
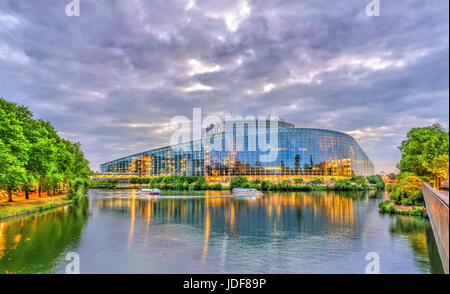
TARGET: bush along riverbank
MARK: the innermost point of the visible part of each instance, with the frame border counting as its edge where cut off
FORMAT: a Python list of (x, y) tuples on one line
[(424, 158), (391, 208), (405, 196), (186, 183), (352, 184), (189, 183), (78, 189)]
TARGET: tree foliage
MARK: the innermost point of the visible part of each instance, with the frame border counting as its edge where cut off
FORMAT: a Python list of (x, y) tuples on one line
[(407, 191), (32, 153), (425, 153), (377, 181)]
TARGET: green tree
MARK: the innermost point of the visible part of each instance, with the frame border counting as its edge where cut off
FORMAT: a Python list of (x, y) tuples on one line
[(425, 153), (43, 150), (238, 182), (377, 181), (12, 173), (14, 146), (32, 151), (407, 190)]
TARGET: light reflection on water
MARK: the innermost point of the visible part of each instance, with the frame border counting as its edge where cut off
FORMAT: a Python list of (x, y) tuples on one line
[(310, 232)]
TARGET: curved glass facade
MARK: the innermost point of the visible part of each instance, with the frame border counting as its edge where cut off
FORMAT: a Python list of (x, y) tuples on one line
[(300, 152)]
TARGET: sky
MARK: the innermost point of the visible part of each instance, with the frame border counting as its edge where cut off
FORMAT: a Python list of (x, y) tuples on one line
[(114, 77)]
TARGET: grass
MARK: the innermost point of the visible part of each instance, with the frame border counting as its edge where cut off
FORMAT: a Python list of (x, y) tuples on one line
[(389, 208), (9, 209)]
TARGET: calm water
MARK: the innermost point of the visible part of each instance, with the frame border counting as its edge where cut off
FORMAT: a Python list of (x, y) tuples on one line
[(312, 232)]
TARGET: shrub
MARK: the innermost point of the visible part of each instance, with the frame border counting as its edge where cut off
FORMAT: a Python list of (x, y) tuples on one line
[(298, 181), (264, 185), (217, 186), (195, 186), (358, 180), (417, 199), (377, 181), (316, 182), (238, 182), (78, 188), (342, 185), (406, 201), (105, 184), (406, 188)]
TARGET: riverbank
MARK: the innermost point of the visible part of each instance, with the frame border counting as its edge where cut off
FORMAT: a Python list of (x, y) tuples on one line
[(19, 208), (227, 188), (391, 208)]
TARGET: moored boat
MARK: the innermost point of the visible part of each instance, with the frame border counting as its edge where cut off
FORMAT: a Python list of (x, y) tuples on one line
[(152, 191), (243, 192)]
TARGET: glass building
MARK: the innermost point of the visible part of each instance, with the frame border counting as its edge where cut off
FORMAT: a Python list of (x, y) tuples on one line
[(235, 150)]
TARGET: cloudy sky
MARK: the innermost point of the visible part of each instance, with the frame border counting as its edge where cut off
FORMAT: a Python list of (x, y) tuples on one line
[(114, 77)]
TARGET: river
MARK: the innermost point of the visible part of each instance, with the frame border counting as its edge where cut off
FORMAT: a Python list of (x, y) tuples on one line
[(122, 231)]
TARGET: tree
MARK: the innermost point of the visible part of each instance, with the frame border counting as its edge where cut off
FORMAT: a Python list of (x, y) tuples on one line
[(14, 147), (377, 181), (28, 184), (12, 173), (407, 190), (425, 153), (238, 182), (32, 152), (392, 177)]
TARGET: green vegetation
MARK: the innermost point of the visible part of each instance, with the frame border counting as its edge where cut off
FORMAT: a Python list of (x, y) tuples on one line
[(33, 155), (103, 184), (353, 184), (242, 182), (190, 183), (425, 154), (377, 181), (31, 244), (424, 159), (182, 183), (78, 189), (407, 190), (389, 207), (8, 209), (199, 183)]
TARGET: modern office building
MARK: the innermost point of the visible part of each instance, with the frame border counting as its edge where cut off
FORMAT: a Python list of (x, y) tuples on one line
[(235, 150)]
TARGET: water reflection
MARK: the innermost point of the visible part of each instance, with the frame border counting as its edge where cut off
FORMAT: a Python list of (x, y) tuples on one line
[(275, 212), (211, 232), (328, 223), (420, 235), (32, 244)]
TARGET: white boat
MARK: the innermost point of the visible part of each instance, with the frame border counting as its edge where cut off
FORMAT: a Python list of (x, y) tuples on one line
[(243, 192), (152, 191)]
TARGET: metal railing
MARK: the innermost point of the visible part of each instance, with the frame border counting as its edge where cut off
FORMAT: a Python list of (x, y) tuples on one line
[(437, 207)]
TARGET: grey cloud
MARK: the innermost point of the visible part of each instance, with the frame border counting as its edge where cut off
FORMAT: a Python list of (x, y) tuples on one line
[(115, 76)]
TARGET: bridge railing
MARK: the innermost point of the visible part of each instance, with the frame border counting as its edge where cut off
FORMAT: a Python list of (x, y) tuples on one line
[(437, 207)]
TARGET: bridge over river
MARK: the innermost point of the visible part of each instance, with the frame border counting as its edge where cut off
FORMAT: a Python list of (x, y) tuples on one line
[(437, 207)]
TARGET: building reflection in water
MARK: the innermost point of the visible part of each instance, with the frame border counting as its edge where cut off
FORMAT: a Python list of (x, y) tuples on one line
[(216, 212), (212, 229)]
